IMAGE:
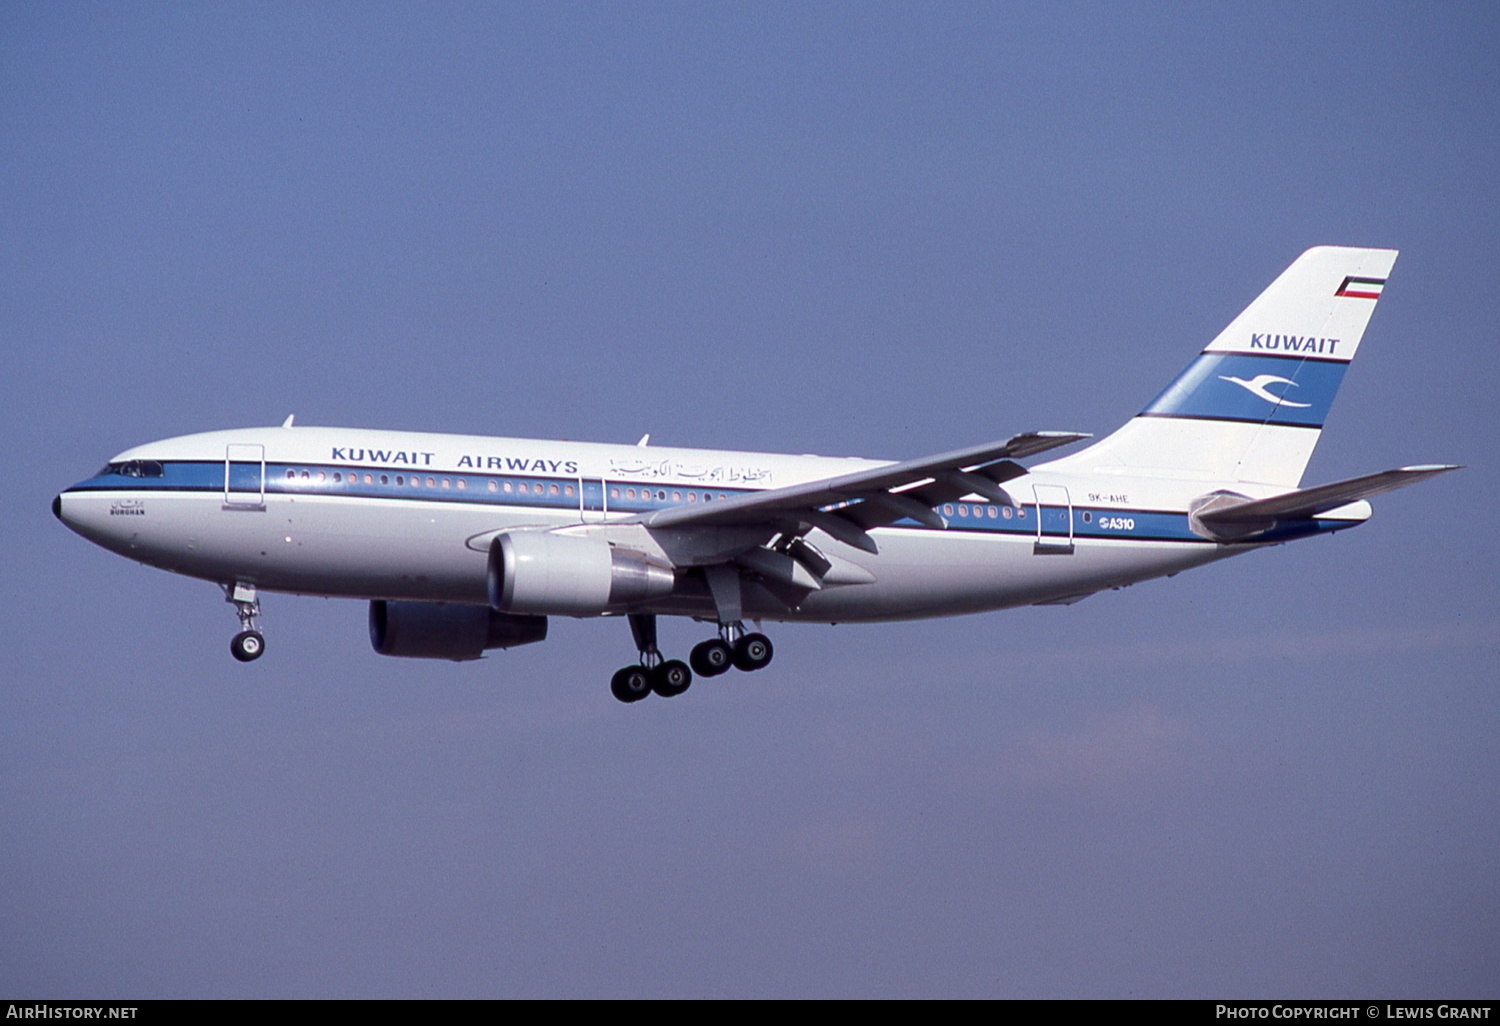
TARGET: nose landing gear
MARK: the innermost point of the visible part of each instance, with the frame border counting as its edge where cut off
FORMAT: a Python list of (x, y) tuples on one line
[(249, 644)]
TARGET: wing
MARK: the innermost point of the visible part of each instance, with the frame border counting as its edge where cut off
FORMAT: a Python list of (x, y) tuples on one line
[(849, 506)]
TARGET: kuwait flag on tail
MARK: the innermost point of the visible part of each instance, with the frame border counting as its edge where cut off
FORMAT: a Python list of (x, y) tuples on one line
[(1361, 288)]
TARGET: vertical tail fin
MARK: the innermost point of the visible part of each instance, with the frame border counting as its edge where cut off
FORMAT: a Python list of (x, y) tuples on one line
[(1251, 407)]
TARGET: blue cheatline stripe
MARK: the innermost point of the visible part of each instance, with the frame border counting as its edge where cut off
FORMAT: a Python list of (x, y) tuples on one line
[(342, 480), (1101, 523), (1248, 387), (1089, 522)]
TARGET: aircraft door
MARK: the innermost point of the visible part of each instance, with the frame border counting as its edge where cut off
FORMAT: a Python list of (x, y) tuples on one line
[(244, 476), (1054, 520), (593, 500)]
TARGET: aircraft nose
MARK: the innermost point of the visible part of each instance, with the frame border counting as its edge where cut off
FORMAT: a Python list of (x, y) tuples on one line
[(57, 505)]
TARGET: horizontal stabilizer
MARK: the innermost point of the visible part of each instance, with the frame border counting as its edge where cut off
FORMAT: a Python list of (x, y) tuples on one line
[(1226, 517)]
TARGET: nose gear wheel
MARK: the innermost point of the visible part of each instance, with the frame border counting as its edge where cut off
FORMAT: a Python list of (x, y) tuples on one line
[(249, 644)]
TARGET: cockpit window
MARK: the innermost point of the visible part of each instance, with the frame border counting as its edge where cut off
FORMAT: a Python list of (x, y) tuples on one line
[(135, 468)]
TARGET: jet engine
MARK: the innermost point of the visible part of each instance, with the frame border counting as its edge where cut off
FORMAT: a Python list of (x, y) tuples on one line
[(443, 630), (570, 575)]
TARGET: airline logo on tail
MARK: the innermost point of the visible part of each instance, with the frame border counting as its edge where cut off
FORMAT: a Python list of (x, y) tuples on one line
[(1295, 343), (1258, 379), (1256, 386)]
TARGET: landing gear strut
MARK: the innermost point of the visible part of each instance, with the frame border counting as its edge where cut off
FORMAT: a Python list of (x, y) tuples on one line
[(668, 678), (732, 648), (248, 644)]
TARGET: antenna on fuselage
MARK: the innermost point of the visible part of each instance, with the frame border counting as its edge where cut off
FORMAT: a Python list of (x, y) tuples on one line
[(645, 440), (289, 418)]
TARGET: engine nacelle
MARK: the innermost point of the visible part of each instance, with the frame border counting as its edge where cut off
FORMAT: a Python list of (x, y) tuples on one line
[(443, 630), (570, 575)]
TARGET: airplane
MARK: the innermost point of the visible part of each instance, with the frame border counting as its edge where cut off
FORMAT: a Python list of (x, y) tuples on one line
[(463, 544)]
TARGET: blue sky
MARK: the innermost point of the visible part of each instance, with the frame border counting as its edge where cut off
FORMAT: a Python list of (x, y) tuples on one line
[(879, 230)]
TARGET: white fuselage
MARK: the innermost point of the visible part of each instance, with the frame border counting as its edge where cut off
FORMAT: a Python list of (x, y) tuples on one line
[(398, 515)]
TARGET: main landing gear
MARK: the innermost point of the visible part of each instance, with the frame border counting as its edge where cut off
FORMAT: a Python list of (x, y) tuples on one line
[(249, 644), (668, 678), (671, 677)]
